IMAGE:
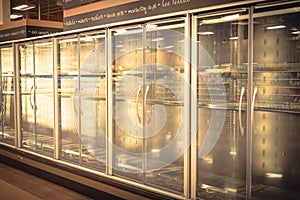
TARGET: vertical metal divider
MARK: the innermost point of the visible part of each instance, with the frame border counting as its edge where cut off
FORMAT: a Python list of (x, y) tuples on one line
[(194, 117), (187, 108), (144, 75), (1, 104), (109, 100), (79, 100), (249, 106), (56, 130), (17, 97)]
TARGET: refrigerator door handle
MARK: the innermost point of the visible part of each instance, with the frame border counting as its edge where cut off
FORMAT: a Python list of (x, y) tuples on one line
[(30, 97), (252, 106), (145, 101), (137, 104), (240, 111)]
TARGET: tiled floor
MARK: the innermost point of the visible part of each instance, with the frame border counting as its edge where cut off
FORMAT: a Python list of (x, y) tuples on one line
[(16, 184)]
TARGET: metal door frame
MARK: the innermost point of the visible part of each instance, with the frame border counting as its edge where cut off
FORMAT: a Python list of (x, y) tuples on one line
[(186, 110), (194, 116)]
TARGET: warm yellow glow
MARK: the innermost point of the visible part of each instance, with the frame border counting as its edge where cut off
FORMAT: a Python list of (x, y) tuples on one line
[(233, 153), (155, 150), (204, 186), (233, 190), (231, 17), (208, 160), (169, 135), (273, 175)]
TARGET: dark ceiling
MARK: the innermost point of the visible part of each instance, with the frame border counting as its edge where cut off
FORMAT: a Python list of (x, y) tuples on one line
[(44, 9)]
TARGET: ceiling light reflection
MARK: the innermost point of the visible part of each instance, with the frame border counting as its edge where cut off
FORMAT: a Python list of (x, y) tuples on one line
[(169, 47), (206, 33), (13, 16), (23, 7), (150, 26), (157, 39)]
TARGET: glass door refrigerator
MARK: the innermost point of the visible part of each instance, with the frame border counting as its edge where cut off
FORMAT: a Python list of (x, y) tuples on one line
[(36, 96), (7, 95), (219, 109), (276, 125), (149, 70)]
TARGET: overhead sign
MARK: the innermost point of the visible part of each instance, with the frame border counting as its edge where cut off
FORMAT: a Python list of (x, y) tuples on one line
[(136, 10), (25, 32), (73, 3)]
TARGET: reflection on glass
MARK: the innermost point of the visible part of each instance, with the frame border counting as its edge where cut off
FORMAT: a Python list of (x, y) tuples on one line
[(222, 65), (164, 105), (148, 104), (127, 103), (82, 100), (92, 100), (68, 71), (277, 107), (7, 95), (37, 97), (29, 139)]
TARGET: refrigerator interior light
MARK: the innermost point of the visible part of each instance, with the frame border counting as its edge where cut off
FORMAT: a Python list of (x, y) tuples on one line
[(208, 160), (204, 186), (206, 33), (157, 39), (169, 47), (121, 31), (275, 27), (155, 150), (233, 38), (151, 26), (231, 17), (233, 190), (220, 19), (273, 175)]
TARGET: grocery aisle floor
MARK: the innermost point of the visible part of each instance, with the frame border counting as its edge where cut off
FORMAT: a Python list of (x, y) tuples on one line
[(16, 184)]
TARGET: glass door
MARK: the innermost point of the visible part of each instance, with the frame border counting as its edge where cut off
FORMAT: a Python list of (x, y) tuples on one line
[(43, 99), (149, 67), (164, 103), (28, 117), (127, 61), (37, 116), (7, 95), (277, 104), (92, 100), (220, 88), (81, 72), (68, 98)]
